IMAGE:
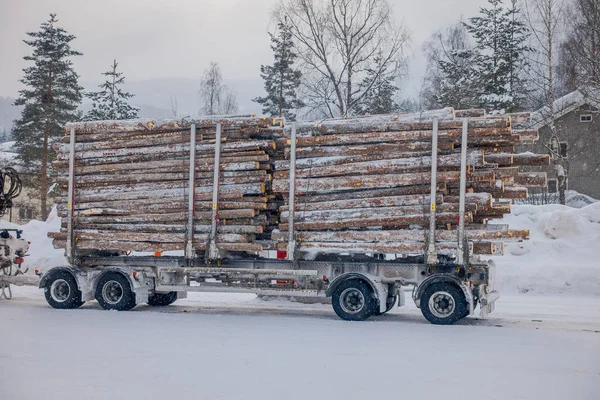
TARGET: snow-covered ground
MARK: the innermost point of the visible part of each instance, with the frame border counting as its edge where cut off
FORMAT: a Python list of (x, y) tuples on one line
[(224, 346), (542, 342)]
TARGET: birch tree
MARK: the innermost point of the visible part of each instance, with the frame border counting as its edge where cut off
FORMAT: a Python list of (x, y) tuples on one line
[(337, 41)]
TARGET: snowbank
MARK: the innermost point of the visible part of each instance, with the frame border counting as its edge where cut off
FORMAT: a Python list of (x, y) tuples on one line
[(42, 255), (561, 255)]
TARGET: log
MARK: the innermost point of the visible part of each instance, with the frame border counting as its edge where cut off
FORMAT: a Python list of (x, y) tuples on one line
[(326, 151), (373, 202), (374, 221), (361, 248), (88, 234), (403, 235), (475, 158), (532, 179)]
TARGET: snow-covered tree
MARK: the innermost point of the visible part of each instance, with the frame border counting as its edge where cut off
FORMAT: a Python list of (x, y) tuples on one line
[(500, 55), (281, 79), (110, 102), (450, 79), (380, 91), (50, 99)]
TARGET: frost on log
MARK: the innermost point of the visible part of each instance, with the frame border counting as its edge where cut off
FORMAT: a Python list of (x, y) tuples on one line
[(362, 184)]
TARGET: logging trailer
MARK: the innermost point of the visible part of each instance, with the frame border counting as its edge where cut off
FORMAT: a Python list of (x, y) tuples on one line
[(446, 289)]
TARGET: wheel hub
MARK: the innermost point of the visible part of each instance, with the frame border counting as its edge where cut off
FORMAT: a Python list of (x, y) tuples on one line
[(112, 292), (60, 290), (352, 300), (441, 304)]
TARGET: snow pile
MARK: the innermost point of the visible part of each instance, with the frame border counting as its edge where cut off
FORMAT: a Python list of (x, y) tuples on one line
[(578, 200), (561, 255), (42, 255)]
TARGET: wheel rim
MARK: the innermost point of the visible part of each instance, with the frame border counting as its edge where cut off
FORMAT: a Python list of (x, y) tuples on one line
[(112, 292), (352, 300), (442, 304), (60, 290)]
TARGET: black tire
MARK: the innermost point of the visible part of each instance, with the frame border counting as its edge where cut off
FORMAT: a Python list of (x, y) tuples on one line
[(162, 299), (443, 303), (113, 292), (390, 303), (354, 300), (61, 291)]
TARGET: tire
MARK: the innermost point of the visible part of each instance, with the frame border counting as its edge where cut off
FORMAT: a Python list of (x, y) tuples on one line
[(162, 299), (354, 300), (390, 303), (443, 304), (61, 291), (113, 292)]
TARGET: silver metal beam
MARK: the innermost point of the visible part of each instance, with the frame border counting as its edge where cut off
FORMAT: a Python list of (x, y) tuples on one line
[(71, 199), (189, 247), (291, 248), (213, 250), (229, 289), (237, 271), (460, 254), (431, 250)]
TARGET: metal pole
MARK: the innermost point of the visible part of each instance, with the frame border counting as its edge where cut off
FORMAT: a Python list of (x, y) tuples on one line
[(71, 199), (431, 251), (291, 248), (460, 259), (189, 248), (213, 251)]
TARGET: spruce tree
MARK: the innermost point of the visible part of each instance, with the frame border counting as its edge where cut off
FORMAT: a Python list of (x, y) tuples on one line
[(500, 58), (110, 103), (281, 79), (458, 83), (49, 101), (379, 91)]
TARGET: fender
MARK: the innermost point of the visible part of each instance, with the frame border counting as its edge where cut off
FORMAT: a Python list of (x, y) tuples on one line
[(448, 278), (380, 290), (49, 273)]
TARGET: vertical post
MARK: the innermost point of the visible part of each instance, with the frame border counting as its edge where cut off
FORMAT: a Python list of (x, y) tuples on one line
[(189, 247), (291, 248), (71, 199), (431, 250), (460, 254), (213, 251)]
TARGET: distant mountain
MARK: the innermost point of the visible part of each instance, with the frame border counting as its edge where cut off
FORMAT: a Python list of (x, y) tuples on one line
[(157, 92)]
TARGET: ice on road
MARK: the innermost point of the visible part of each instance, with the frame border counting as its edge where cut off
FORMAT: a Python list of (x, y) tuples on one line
[(218, 346)]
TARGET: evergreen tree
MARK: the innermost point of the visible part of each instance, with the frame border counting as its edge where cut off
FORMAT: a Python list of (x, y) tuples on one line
[(50, 100), (450, 77), (500, 58), (379, 91), (281, 79), (110, 103), (458, 84)]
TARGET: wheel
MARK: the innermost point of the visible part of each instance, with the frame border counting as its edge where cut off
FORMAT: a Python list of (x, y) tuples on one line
[(390, 303), (162, 299), (354, 300), (61, 291), (443, 303), (113, 292)]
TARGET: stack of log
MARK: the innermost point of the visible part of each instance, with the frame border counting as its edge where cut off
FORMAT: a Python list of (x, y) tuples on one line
[(132, 178), (363, 184)]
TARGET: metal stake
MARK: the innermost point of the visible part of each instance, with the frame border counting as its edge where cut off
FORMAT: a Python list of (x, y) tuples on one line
[(71, 200), (189, 248), (291, 248), (213, 251), (431, 250), (460, 255)]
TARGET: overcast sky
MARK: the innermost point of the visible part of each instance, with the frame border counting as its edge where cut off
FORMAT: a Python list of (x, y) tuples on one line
[(157, 39)]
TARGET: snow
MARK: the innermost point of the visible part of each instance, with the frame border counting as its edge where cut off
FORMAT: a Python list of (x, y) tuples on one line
[(561, 255), (223, 346)]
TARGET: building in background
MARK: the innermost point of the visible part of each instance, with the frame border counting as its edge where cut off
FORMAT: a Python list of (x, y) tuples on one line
[(577, 123)]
